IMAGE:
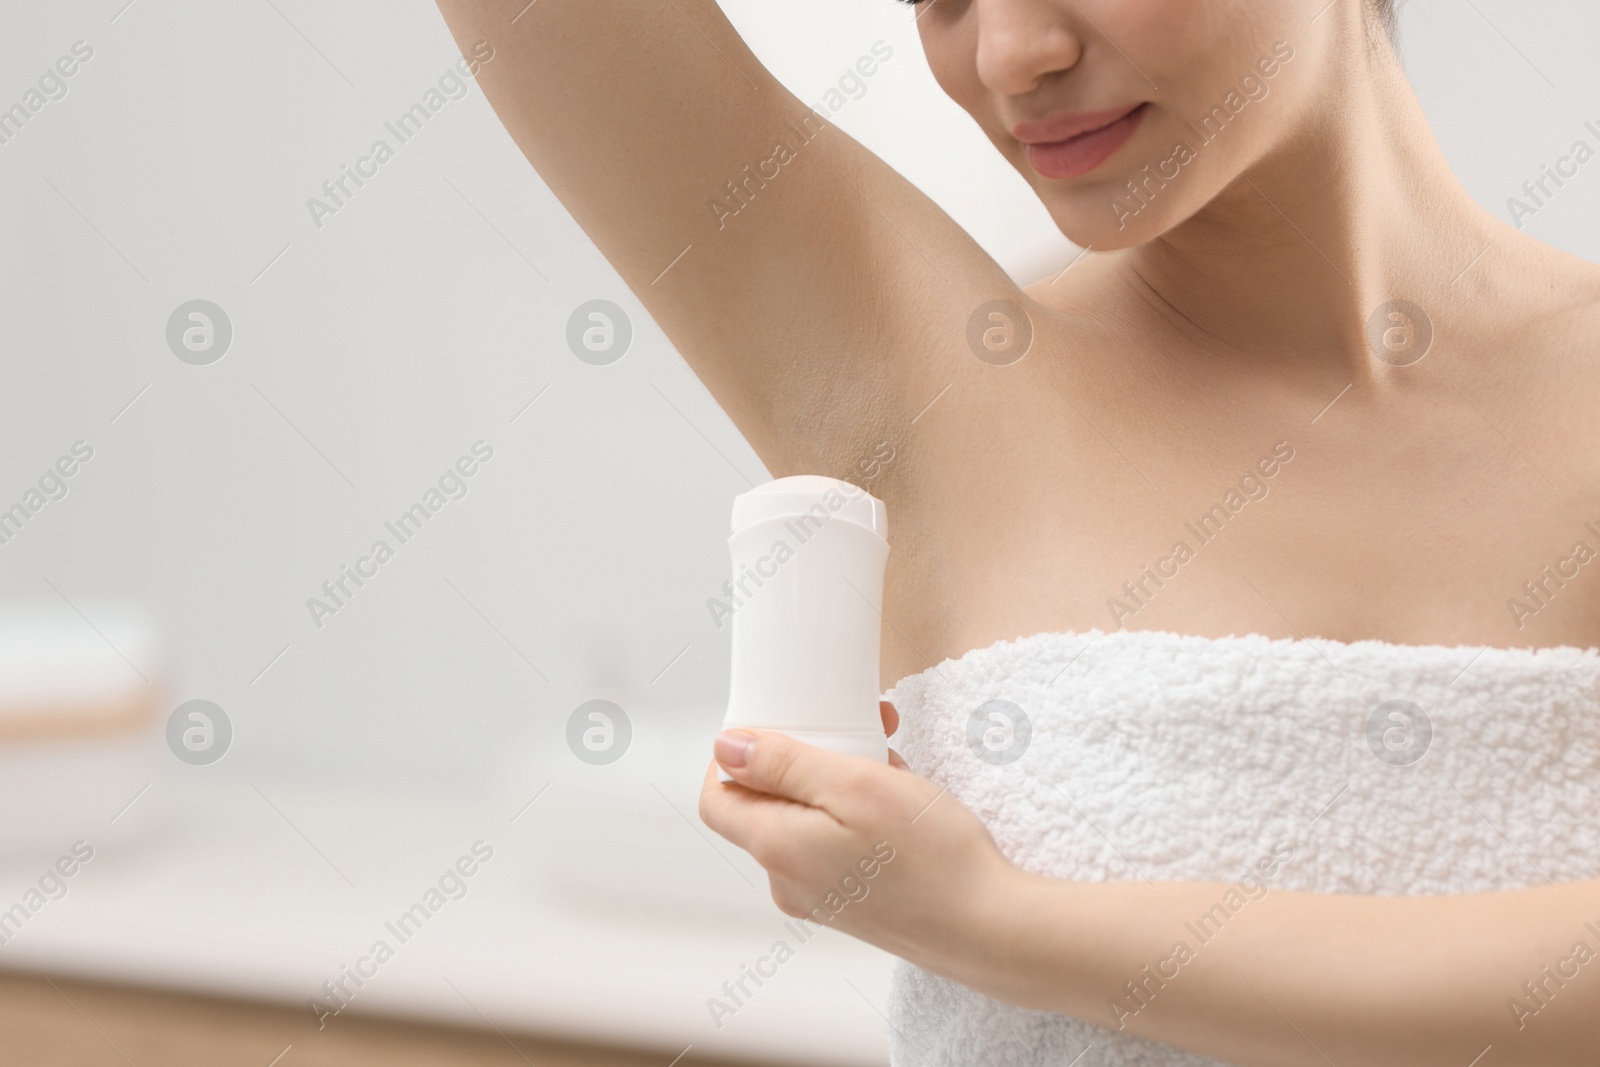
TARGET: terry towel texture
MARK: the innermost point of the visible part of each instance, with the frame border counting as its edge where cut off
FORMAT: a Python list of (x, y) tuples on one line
[(1172, 757)]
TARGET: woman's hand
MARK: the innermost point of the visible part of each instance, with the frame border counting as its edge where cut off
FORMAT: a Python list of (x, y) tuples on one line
[(866, 847), (1299, 979)]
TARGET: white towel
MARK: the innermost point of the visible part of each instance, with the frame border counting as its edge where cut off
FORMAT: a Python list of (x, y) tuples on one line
[(1173, 757)]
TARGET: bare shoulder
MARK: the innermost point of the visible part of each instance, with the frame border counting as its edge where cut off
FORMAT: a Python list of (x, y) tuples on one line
[(1556, 293), (1550, 338), (1526, 316)]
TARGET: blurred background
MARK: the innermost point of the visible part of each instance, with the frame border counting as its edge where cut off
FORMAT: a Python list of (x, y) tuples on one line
[(228, 766)]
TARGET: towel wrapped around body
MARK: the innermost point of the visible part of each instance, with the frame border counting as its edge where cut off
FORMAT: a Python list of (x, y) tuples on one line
[(1364, 767)]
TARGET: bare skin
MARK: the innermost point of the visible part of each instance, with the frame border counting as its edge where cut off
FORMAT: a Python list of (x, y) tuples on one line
[(1226, 316), (1312, 978)]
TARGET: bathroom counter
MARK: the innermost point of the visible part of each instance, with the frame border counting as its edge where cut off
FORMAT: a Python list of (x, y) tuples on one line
[(606, 918), (54, 1020)]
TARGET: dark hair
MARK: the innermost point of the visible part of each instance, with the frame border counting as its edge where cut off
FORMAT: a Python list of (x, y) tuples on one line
[(1388, 16)]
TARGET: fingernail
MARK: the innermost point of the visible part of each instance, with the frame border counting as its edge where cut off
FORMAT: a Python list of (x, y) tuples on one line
[(733, 747)]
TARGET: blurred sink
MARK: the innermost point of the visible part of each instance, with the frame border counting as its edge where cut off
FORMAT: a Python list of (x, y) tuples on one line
[(80, 738)]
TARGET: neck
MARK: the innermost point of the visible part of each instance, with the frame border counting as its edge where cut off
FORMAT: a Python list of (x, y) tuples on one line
[(1354, 207)]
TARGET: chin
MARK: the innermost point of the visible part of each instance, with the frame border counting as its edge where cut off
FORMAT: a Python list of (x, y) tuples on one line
[(1089, 221)]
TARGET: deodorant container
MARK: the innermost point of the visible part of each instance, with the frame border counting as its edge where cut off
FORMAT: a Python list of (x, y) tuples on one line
[(807, 601)]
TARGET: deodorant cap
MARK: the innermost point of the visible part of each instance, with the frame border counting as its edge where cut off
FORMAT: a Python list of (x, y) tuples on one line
[(784, 498)]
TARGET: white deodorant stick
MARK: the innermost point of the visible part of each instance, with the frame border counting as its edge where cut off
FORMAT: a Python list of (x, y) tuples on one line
[(807, 600)]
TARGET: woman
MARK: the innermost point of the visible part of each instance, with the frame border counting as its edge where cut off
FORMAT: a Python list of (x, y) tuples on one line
[(1301, 389)]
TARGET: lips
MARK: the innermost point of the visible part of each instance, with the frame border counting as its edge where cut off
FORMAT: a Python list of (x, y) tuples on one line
[(1074, 145)]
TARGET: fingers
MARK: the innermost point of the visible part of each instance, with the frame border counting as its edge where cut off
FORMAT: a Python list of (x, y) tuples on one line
[(777, 764), (753, 820), (785, 792), (778, 780)]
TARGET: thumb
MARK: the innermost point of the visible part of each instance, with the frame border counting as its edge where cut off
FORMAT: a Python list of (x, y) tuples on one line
[(775, 763)]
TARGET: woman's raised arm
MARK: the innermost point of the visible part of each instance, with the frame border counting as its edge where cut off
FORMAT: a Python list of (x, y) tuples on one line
[(798, 273)]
